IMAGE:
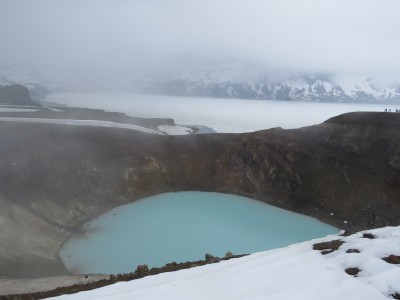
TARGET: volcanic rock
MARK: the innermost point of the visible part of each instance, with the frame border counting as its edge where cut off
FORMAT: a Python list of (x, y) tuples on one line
[(54, 178)]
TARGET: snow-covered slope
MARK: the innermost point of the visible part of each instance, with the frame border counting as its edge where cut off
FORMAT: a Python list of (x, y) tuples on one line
[(294, 272)]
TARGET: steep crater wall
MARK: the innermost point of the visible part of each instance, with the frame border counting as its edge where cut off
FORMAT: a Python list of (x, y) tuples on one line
[(54, 178)]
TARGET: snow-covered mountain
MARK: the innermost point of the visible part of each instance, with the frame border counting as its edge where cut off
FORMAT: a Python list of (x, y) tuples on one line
[(362, 266), (228, 82), (305, 87)]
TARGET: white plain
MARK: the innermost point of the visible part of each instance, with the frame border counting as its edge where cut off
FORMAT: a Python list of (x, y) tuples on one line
[(223, 115)]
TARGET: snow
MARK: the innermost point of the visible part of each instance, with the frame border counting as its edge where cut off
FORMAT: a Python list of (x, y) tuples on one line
[(327, 86), (222, 115), (162, 129), (294, 272), (175, 130), (353, 84), (15, 109)]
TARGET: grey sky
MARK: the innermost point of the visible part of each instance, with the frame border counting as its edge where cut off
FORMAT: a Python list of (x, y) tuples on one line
[(351, 36)]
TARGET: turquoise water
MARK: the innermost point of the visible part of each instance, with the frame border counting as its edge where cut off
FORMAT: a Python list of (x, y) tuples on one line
[(184, 226)]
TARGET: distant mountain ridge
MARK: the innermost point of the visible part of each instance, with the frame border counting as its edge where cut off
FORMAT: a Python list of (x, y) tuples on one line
[(216, 83), (313, 88)]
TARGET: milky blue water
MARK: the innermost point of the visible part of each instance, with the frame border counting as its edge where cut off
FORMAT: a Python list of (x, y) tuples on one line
[(184, 226)]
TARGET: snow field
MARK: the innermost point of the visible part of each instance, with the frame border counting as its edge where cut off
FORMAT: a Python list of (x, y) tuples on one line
[(222, 115)]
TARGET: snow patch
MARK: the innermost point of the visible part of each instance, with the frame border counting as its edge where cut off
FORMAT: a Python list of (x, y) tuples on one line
[(175, 130), (96, 123)]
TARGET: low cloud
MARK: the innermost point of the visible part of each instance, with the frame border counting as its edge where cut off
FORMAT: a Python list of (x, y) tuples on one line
[(135, 38)]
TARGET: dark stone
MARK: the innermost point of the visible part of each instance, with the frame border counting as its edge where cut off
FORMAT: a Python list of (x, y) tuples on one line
[(208, 257), (345, 233), (212, 259), (229, 254), (352, 271), (328, 247), (395, 296), (392, 259), (325, 252), (368, 236), (353, 251), (142, 270)]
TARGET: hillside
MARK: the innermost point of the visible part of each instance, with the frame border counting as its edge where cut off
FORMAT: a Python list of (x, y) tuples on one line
[(344, 172), (16, 94)]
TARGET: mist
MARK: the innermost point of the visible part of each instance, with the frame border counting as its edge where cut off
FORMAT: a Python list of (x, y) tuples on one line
[(135, 39)]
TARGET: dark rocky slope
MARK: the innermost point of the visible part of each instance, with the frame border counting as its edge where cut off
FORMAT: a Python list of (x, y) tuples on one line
[(16, 94), (53, 178)]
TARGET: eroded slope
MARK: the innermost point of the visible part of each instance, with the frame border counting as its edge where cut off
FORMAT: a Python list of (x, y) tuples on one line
[(53, 178)]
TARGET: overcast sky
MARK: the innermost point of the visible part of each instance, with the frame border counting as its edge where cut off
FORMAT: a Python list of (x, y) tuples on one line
[(346, 36)]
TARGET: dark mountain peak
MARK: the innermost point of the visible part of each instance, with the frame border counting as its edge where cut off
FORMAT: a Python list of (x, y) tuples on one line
[(16, 94)]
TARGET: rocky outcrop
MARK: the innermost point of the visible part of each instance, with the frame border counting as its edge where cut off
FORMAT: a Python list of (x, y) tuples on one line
[(54, 178), (16, 94)]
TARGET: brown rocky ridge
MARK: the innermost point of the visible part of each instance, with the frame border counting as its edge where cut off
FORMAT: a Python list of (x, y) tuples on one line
[(54, 178)]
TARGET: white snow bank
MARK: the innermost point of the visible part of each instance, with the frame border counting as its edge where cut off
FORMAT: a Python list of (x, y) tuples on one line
[(162, 129), (82, 123), (14, 109), (175, 130), (294, 272)]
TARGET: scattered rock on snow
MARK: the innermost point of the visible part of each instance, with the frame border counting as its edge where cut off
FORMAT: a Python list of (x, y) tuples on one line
[(353, 251), (352, 271), (392, 259), (368, 236), (328, 247)]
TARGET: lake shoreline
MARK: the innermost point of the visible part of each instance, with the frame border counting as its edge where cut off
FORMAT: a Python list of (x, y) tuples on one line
[(182, 226), (340, 172)]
